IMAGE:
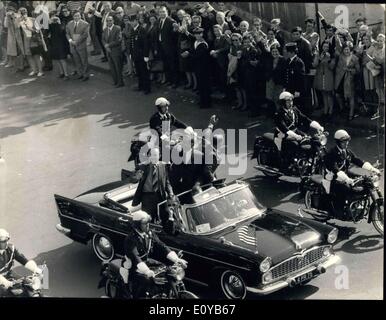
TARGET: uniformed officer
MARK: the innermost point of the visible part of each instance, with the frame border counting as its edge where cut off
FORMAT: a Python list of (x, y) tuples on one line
[(287, 121), (337, 162), (140, 244), (8, 255)]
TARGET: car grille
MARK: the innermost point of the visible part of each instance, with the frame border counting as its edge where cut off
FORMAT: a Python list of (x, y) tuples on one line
[(297, 263)]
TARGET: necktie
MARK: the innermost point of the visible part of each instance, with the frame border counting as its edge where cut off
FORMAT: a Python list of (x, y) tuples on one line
[(160, 29), (76, 25), (108, 33), (155, 178)]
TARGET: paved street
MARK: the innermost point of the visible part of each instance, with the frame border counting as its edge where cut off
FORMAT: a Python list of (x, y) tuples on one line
[(68, 137)]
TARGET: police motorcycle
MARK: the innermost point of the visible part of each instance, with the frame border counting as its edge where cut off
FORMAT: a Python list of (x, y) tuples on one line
[(167, 281), (306, 160), (364, 201), (28, 286)]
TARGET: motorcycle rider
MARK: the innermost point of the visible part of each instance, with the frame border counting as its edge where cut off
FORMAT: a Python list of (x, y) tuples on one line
[(287, 120), (8, 255), (139, 244), (337, 163)]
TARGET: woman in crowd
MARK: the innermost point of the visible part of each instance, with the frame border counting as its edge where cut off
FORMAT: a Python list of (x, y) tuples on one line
[(185, 47), (324, 64), (65, 15), (377, 53), (346, 67), (143, 19), (275, 67), (15, 45), (220, 20), (233, 74), (367, 83), (27, 24), (60, 47), (271, 40), (154, 54)]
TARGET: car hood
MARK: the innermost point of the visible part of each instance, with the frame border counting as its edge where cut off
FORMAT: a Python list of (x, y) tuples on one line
[(276, 235)]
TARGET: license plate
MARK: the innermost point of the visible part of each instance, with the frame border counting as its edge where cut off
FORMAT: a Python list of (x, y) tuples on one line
[(304, 277)]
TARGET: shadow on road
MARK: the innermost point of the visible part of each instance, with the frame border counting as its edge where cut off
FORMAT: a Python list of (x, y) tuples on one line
[(362, 244)]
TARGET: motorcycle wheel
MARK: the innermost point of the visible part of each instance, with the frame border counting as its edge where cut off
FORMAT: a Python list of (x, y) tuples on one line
[(111, 290), (186, 295), (308, 204), (261, 162), (378, 217)]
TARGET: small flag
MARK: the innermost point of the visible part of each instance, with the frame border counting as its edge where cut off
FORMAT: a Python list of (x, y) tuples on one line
[(247, 236)]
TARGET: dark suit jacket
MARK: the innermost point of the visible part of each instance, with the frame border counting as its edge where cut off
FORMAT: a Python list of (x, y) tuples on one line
[(139, 44), (285, 122), (277, 74), (305, 53), (336, 161), (168, 36), (164, 185), (222, 47), (114, 40), (294, 75), (156, 122)]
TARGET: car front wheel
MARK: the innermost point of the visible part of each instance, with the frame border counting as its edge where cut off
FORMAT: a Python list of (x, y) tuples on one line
[(232, 285), (103, 247)]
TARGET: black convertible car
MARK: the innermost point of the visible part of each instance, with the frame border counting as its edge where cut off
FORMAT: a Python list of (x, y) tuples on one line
[(232, 243)]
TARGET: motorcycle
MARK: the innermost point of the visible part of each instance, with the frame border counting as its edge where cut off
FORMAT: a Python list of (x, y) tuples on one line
[(306, 161), (168, 282), (27, 286), (365, 201)]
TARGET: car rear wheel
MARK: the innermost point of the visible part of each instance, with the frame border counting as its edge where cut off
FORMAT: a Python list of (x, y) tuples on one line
[(232, 285), (103, 247)]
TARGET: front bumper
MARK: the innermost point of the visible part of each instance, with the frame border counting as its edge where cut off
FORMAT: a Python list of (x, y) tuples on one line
[(62, 229), (289, 281)]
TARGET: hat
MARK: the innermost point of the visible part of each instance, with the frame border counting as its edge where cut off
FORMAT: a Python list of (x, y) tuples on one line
[(198, 30), (275, 21)]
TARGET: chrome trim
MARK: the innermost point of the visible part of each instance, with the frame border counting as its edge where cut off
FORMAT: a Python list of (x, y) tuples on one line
[(62, 229), (270, 288), (93, 225)]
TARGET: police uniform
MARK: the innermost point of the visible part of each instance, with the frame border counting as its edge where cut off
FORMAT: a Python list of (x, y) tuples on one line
[(157, 119), (138, 248), (7, 259), (337, 160)]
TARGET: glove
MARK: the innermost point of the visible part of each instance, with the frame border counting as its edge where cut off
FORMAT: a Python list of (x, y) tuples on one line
[(5, 282), (146, 59), (368, 166), (32, 266), (342, 176), (183, 263), (316, 126), (150, 274), (145, 270)]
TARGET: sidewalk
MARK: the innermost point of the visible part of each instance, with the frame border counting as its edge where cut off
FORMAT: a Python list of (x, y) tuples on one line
[(359, 123)]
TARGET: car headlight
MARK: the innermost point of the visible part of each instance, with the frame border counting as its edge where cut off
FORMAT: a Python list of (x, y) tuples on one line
[(326, 251), (332, 236), (267, 277), (265, 264), (180, 274)]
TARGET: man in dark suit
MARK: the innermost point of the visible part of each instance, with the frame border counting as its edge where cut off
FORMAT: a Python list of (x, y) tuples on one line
[(154, 185), (294, 74), (139, 51), (111, 40), (201, 62), (77, 33), (357, 36), (275, 25), (220, 57), (167, 38)]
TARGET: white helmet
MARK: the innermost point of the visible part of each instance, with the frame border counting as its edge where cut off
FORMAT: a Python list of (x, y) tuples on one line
[(161, 102), (141, 215), (4, 235), (342, 135), (285, 95)]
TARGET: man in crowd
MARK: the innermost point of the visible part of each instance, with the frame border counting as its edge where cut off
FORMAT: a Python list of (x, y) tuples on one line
[(106, 12), (77, 33), (357, 36), (139, 51), (112, 41), (275, 25)]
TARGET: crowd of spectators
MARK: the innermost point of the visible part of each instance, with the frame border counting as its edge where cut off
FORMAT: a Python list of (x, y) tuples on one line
[(204, 47)]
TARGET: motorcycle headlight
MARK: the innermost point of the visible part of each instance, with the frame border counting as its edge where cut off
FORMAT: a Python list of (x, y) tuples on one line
[(332, 236), (265, 264), (36, 284), (323, 140), (326, 251), (267, 277), (180, 274)]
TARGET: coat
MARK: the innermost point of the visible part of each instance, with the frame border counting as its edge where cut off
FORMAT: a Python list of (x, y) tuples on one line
[(81, 34), (168, 36), (346, 76), (163, 179), (139, 44), (15, 46), (324, 77), (294, 80), (114, 40)]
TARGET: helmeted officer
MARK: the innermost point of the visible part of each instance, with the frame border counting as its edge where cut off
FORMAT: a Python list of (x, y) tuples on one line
[(141, 243), (337, 162), (287, 121), (8, 255)]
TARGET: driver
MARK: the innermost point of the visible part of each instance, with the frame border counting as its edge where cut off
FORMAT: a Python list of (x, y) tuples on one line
[(139, 244), (8, 255), (337, 163), (287, 121)]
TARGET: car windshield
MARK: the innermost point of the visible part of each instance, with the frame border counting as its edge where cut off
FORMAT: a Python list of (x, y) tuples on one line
[(223, 212)]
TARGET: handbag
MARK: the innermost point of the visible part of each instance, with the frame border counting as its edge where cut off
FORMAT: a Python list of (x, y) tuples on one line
[(156, 66), (371, 66)]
